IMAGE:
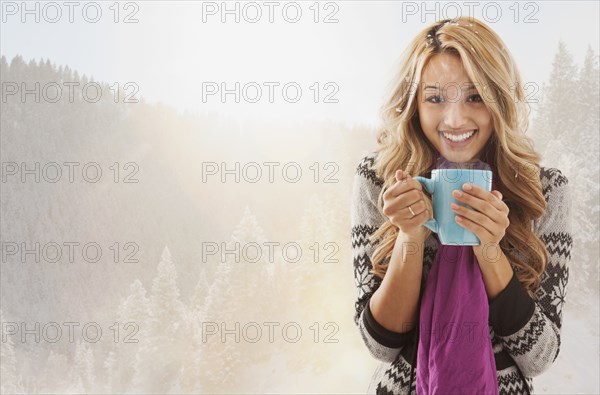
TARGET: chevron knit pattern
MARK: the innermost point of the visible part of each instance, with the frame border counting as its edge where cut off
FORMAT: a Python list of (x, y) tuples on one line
[(533, 348)]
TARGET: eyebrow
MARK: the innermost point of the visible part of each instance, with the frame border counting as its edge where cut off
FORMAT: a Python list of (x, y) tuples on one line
[(437, 87)]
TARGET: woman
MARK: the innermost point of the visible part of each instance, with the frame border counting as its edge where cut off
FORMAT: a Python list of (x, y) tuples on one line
[(458, 96)]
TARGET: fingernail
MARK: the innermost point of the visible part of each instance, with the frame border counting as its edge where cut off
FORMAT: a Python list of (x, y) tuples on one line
[(467, 187)]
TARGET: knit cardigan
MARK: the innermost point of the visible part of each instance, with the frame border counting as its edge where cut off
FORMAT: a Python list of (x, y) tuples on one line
[(525, 333)]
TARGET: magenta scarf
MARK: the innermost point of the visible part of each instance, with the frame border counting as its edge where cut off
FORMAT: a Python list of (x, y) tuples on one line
[(455, 354)]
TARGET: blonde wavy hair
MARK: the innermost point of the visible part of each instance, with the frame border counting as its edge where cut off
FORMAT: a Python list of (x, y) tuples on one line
[(514, 162)]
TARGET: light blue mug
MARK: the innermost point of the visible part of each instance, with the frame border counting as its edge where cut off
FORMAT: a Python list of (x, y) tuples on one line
[(441, 185)]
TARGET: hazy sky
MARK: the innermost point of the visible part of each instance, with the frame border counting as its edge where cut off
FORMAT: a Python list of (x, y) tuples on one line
[(171, 52)]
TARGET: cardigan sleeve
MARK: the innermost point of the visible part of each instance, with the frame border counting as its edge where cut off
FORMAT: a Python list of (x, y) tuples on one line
[(382, 343), (530, 329)]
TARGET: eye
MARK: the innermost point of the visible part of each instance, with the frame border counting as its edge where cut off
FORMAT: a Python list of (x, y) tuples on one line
[(477, 98), (434, 99)]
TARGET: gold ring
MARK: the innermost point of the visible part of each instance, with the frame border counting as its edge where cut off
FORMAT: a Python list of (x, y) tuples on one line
[(411, 211)]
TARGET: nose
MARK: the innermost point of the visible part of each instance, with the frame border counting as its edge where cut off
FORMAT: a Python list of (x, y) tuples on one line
[(455, 115)]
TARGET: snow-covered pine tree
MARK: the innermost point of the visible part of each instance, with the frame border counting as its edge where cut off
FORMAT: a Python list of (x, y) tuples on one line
[(84, 365), (161, 348), (200, 291), (566, 134), (557, 115), (240, 296), (218, 357), (133, 316)]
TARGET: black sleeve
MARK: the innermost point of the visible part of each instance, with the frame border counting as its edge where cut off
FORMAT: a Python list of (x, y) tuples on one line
[(511, 309), (385, 336)]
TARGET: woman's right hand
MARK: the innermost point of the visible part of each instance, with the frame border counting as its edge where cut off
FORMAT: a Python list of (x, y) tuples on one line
[(396, 200)]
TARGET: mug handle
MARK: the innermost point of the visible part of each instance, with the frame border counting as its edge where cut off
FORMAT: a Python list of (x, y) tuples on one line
[(429, 185)]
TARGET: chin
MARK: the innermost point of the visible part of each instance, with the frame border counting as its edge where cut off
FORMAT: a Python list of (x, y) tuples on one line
[(458, 157)]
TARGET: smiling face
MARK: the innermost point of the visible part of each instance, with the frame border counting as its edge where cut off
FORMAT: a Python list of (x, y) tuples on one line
[(449, 102)]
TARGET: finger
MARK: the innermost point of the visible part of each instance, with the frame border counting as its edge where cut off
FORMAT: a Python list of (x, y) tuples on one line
[(419, 216), (415, 184), (400, 175), (417, 207), (476, 217), (504, 208), (411, 182), (480, 199), (404, 184), (484, 210), (479, 231), (403, 201), (483, 213), (396, 187)]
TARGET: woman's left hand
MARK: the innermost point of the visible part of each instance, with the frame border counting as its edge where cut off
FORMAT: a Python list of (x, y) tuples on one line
[(489, 217)]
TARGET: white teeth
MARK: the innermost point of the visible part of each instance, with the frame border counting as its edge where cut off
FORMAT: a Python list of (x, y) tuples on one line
[(458, 138)]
